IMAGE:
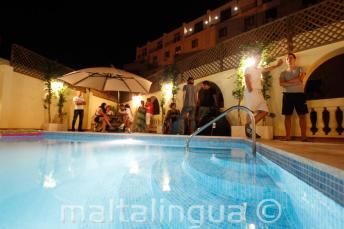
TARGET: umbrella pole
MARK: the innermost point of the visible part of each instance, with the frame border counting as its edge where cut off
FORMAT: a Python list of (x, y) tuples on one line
[(118, 98)]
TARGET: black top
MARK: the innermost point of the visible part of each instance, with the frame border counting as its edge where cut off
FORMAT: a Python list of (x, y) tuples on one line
[(206, 97)]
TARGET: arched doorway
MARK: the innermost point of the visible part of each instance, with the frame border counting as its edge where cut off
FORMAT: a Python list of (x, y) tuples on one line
[(327, 80), (156, 105), (219, 95)]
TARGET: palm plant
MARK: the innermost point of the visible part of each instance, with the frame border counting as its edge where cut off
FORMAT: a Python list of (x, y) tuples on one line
[(51, 71), (61, 99)]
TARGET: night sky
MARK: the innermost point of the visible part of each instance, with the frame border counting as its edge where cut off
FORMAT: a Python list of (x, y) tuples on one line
[(105, 35)]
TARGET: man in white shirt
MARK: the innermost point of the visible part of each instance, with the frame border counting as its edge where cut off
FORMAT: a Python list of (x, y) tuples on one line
[(79, 103), (253, 91)]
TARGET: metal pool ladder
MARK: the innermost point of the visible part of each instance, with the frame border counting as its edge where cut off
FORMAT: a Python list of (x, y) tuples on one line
[(249, 112)]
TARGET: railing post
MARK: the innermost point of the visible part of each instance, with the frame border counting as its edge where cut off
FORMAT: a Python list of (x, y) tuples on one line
[(290, 33)]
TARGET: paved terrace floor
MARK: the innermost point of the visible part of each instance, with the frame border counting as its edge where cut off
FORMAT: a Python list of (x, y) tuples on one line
[(327, 153)]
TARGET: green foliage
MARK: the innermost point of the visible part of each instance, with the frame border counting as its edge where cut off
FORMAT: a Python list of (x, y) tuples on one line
[(170, 75), (247, 51), (51, 71), (61, 96)]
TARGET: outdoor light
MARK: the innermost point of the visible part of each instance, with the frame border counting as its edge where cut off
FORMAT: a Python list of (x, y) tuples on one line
[(216, 17), (167, 91), (249, 62), (56, 86), (190, 29), (137, 100), (236, 8), (206, 22)]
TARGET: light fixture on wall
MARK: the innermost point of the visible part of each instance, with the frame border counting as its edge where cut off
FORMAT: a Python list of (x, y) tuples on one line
[(236, 7)]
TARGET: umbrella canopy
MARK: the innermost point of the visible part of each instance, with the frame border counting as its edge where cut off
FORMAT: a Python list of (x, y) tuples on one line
[(107, 79)]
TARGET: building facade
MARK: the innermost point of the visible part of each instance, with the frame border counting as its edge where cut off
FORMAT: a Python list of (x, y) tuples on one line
[(231, 19)]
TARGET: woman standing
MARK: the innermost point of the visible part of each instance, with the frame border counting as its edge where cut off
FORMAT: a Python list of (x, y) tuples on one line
[(140, 124)]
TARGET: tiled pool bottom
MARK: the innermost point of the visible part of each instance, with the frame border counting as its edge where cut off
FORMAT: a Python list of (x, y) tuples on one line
[(140, 181)]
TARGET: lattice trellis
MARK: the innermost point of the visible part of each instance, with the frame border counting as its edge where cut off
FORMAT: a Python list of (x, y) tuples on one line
[(30, 63), (318, 26), (315, 26)]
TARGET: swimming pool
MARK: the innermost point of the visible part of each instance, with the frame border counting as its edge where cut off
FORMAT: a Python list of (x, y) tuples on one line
[(68, 180)]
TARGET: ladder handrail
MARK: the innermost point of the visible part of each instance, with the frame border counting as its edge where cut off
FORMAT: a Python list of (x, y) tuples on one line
[(249, 112)]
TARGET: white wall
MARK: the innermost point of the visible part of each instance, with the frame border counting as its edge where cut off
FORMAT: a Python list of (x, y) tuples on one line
[(310, 60), (21, 102)]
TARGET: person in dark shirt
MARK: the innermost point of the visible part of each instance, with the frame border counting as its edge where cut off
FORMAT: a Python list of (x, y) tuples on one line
[(206, 100)]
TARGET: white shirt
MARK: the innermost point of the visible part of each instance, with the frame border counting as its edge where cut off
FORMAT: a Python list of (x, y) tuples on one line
[(130, 115), (78, 99), (255, 76)]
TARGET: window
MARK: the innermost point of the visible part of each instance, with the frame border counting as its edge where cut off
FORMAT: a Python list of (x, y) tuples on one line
[(249, 22), (223, 32), (167, 54), (225, 14), (194, 43), (198, 27), (159, 45), (144, 53), (155, 60), (178, 49), (270, 14), (176, 37)]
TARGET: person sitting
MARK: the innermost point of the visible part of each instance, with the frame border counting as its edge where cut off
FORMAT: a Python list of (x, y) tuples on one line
[(109, 112), (102, 117), (129, 117), (171, 122)]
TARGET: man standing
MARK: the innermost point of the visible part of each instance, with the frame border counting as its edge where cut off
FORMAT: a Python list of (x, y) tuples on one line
[(253, 91), (79, 103), (293, 96), (206, 100), (189, 106)]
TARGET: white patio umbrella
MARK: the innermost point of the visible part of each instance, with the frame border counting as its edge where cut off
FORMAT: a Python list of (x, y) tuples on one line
[(107, 79)]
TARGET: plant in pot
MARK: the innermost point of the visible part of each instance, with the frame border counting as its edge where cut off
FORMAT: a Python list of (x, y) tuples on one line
[(265, 131), (169, 88), (61, 95), (51, 71)]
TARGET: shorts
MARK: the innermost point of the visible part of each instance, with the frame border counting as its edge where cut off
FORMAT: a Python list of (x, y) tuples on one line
[(255, 101), (297, 100), (148, 118)]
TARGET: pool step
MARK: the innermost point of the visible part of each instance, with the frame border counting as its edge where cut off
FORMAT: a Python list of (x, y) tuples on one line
[(186, 191)]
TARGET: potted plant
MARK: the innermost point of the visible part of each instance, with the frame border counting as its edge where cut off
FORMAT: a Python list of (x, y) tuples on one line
[(169, 89), (61, 94), (265, 130), (51, 88)]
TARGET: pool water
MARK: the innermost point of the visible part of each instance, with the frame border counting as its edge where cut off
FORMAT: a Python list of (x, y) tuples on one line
[(60, 183)]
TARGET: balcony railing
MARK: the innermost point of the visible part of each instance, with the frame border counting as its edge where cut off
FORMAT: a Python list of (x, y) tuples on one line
[(315, 26)]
